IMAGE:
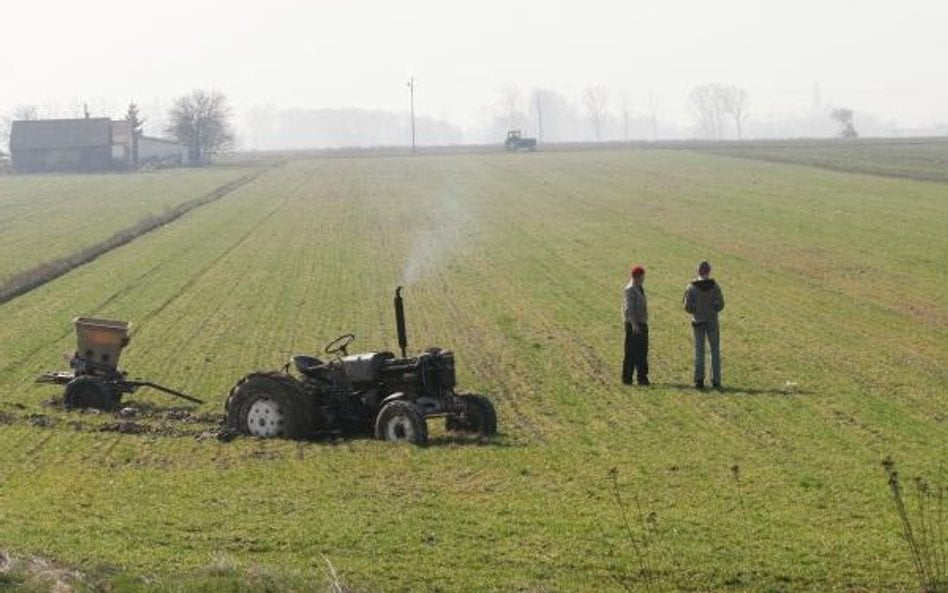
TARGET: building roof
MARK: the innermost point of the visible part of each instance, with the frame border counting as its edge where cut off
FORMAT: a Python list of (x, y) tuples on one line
[(60, 133)]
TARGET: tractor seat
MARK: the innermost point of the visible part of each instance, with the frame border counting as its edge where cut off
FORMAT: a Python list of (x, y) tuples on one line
[(307, 365)]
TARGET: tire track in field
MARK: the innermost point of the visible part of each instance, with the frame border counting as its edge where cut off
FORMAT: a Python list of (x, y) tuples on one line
[(490, 366), (211, 264), (858, 168), (38, 276), (29, 454), (592, 373), (208, 198)]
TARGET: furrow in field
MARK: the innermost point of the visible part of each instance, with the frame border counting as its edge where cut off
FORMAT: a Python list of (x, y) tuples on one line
[(517, 265), (920, 159), (30, 279), (130, 290)]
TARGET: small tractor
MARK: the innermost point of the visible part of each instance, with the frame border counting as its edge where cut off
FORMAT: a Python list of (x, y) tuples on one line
[(372, 393), (95, 380), (516, 142)]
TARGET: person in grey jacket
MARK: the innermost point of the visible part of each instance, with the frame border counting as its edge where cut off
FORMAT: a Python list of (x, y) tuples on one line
[(635, 317), (704, 300)]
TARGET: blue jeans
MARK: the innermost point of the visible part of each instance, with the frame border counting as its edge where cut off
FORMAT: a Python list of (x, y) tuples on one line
[(707, 331)]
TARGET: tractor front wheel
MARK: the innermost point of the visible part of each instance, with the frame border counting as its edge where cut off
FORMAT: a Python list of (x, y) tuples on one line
[(400, 421), (476, 416), (266, 407)]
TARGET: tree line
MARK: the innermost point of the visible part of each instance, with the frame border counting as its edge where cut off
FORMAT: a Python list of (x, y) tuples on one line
[(201, 120)]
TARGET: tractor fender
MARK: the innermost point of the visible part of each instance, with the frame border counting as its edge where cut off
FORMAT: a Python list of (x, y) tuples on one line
[(282, 377), (391, 398)]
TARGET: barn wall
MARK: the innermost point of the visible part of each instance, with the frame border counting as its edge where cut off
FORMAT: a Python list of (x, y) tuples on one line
[(44, 160)]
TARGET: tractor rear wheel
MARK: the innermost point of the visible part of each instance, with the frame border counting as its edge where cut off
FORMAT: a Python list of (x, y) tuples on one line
[(266, 407), (89, 392), (478, 416), (400, 421)]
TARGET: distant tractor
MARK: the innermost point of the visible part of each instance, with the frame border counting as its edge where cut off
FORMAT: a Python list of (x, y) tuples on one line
[(516, 142), (372, 393)]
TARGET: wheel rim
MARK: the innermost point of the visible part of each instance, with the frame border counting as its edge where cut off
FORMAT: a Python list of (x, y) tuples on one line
[(265, 418), (400, 428)]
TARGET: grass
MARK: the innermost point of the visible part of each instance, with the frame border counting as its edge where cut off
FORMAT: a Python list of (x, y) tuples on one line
[(913, 158), (50, 217), (834, 357)]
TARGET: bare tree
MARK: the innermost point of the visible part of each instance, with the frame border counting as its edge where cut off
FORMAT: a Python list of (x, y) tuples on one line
[(200, 120), (511, 113), (155, 114), (556, 114), (5, 124), (625, 108), (734, 102), (596, 99), (651, 105), (19, 113), (708, 109), (260, 121), (25, 113), (711, 104), (844, 117)]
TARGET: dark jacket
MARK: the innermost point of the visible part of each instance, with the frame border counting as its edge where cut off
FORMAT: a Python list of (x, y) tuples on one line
[(704, 300)]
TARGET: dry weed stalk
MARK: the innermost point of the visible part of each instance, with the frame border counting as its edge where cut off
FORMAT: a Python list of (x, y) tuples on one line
[(926, 534)]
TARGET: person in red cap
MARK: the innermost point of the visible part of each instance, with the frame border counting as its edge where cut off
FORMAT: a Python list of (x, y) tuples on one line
[(635, 317)]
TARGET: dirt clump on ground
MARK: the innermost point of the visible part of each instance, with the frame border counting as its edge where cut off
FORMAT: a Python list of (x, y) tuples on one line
[(136, 418), (41, 420), (40, 571), (125, 427)]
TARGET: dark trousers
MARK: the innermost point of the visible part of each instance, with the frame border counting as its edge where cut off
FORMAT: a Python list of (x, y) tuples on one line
[(636, 354)]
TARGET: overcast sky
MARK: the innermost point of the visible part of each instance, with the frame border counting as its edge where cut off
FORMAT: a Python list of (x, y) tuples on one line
[(880, 57)]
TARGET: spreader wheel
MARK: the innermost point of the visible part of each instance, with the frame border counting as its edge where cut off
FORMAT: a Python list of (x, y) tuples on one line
[(400, 421), (89, 392), (266, 407), (477, 416)]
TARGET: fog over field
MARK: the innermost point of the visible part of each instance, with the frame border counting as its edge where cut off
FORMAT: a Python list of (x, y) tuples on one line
[(336, 73)]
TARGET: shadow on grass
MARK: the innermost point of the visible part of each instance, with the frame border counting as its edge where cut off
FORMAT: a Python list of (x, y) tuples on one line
[(441, 440), (734, 390), (472, 441)]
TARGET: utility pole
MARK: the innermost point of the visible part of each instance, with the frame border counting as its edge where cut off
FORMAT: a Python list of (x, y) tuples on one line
[(537, 96), (411, 90)]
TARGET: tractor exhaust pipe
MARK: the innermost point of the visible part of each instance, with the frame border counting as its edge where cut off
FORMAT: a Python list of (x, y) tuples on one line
[(400, 321)]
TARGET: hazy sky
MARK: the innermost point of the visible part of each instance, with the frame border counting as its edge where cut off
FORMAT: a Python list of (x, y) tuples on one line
[(881, 57)]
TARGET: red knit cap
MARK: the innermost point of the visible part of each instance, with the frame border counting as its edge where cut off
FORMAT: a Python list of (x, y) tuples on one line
[(638, 271)]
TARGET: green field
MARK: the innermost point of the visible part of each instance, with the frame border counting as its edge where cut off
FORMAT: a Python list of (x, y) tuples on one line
[(923, 159), (54, 216), (835, 348)]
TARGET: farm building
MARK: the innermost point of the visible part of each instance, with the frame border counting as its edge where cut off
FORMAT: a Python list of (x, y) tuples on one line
[(61, 145), (90, 144), (160, 152)]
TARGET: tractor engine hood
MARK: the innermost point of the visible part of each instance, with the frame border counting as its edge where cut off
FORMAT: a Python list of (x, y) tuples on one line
[(364, 368)]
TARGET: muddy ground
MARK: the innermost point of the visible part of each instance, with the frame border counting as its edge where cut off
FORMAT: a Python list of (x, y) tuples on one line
[(133, 418)]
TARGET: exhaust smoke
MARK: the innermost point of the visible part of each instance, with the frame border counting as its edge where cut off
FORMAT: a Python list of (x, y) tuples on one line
[(446, 223)]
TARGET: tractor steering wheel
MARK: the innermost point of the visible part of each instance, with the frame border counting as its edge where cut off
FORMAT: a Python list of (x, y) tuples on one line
[(340, 344)]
